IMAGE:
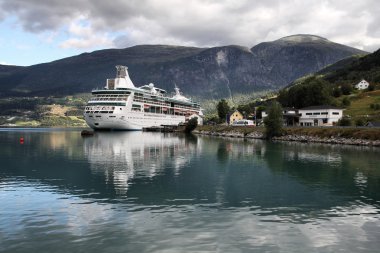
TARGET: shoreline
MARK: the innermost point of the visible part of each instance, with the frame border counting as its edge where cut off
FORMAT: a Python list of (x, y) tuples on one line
[(301, 135), (291, 137)]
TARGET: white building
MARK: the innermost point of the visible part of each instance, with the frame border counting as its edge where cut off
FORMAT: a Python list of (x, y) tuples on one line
[(322, 115), (362, 85)]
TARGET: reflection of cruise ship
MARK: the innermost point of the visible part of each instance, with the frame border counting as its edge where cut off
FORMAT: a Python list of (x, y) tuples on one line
[(121, 105), (121, 156)]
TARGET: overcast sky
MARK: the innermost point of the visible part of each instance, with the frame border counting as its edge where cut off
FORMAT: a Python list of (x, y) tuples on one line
[(37, 31)]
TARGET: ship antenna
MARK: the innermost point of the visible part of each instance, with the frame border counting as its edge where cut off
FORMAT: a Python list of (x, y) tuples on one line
[(176, 89)]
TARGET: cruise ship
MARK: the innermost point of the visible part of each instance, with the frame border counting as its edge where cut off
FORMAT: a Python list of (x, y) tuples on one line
[(122, 106)]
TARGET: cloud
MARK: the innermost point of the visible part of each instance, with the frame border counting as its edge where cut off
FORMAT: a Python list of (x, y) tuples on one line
[(200, 23), (82, 35)]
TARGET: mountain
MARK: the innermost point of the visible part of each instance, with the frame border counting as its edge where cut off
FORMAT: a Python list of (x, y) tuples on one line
[(8, 69), (203, 72)]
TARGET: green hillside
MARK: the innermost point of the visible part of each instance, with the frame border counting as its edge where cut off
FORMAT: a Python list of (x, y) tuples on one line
[(334, 85), (360, 107), (367, 67)]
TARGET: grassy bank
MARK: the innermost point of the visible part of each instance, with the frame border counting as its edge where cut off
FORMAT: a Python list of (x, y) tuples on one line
[(323, 132)]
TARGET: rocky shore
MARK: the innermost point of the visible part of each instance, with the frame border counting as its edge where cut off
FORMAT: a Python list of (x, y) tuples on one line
[(293, 137)]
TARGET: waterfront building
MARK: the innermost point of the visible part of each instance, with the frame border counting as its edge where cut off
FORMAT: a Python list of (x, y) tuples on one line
[(234, 116), (321, 115)]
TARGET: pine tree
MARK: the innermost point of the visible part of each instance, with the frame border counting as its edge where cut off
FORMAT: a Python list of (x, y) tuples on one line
[(223, 109)]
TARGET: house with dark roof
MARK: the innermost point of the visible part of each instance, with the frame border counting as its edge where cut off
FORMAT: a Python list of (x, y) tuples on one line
[(321, 115)]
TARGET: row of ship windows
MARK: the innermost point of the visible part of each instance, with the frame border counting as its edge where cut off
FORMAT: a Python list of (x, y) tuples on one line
[(111, 95), (154, 109), (321, 113), (172, 112), (99, 111), (99, 116), (108, 99)]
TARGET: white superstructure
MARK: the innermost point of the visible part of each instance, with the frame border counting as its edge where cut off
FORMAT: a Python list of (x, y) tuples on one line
[(121, 105)]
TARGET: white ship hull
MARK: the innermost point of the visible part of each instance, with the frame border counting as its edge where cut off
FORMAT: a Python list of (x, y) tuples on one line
[(132, 120)]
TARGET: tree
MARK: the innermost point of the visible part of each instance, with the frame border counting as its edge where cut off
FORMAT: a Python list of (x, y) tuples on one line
[(259, 110), (346, 101), (312, 91), (337, 92), (273, 122), (223, 109), (191, 125), (346, 89), (371, 87)]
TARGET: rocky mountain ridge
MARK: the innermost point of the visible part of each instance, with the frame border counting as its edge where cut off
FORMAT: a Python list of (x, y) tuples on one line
[(215, 72)]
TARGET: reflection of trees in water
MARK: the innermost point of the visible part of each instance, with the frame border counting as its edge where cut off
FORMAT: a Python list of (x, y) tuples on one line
[(332, 166), (222, 153)]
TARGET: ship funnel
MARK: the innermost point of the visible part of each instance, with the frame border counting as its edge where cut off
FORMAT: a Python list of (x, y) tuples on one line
[(121, 71), (122, 79)]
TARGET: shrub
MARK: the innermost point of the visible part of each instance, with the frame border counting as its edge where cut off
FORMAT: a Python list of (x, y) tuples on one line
[(191, 125), (345, 121), (74, 112), (360, 122)]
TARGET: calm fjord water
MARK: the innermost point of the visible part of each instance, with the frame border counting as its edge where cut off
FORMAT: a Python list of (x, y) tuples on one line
[(152, 192)]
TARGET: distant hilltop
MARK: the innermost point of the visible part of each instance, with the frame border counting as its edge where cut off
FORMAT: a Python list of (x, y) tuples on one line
[(215, 72), (302, 38)]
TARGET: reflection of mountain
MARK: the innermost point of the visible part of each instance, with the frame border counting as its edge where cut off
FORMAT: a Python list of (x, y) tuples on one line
[(119, 156)]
